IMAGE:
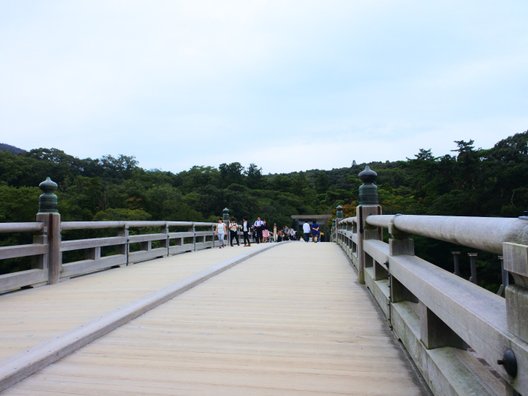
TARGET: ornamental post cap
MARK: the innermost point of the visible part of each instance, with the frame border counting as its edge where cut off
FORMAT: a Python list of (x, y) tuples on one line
[(225, 214), (48, 185), (48, 200), (367, 175), (368, 191)]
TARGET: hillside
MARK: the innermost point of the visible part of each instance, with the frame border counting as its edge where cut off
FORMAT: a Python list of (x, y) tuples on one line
[(11, 149)]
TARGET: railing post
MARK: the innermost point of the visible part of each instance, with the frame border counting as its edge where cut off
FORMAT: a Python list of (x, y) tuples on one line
[(48, 214), (194, 236), (434, 333), (400, 243), (456, 262), (339, 217), (167, 239), (505, 277), (515, 258), (127, 246), (473, 267), (124, 248), (368, 205)]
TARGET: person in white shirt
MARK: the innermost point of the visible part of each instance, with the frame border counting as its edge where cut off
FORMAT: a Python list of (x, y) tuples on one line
[(307, 230), (245, 232), (220, 231), (259, 226), (233, 232)]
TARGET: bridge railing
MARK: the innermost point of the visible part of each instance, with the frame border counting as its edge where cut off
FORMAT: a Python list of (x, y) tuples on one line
[(134, 242), (37, 253), (463, 338), (55, 257)]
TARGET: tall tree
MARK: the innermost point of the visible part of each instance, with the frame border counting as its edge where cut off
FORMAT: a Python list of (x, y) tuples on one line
[(232, 173)]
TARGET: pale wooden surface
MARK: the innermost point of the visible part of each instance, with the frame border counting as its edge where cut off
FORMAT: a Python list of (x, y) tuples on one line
[(32, 316), (291, 321)]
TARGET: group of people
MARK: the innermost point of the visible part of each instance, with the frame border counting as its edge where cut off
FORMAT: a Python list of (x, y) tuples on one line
[(311, 232), (260, 232), (233, 227)]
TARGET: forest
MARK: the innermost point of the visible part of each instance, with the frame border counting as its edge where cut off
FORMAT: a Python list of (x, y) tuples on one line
[(468, 181)]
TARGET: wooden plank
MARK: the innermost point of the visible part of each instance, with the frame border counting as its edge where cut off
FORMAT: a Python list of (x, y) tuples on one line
[(91, 243), (87, 266), (7, 252)]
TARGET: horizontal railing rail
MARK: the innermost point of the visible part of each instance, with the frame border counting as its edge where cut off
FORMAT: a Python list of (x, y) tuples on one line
[(21, 227), (452, 328), (483, 233)]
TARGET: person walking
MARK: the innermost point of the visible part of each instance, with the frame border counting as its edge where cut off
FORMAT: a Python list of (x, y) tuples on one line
[(245, 231), (259, 226), (220, 232), (265, 232), (315, 231), (307, 230), (233, 232)]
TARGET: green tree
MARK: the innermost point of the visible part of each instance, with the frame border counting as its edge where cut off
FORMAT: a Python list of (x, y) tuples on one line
[(118, 168), (122, 214), (18, 203), (254, 177), (165, 202), (232, 173)]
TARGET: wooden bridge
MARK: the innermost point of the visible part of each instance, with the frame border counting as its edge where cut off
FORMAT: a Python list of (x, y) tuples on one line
[(152, 308), (269, 325)]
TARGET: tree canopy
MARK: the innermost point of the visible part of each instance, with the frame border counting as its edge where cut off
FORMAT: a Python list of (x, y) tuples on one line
[(467, 181)]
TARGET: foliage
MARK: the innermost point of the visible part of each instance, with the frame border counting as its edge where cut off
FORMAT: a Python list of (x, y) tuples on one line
[(18, 203), (471, 181)]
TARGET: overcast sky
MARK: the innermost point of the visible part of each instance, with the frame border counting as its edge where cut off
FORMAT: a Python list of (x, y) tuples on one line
[(285, 84)]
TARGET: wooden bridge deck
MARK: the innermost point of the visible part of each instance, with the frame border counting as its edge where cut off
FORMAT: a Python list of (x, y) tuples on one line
[(289, 321)]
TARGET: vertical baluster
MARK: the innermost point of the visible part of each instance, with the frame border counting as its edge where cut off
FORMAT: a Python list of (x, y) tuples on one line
[(456, 263), (473, 267), (505, 278)]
